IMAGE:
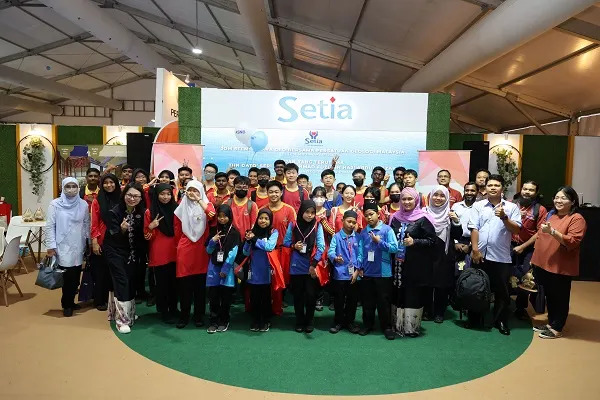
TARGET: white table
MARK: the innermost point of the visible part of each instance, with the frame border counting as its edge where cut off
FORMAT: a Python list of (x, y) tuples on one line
[(36, 230)]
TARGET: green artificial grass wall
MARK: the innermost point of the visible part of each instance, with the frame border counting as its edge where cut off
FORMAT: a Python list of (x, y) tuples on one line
[(8, 165), (78, 135), (189, 115), (438, 121), (457, 140)]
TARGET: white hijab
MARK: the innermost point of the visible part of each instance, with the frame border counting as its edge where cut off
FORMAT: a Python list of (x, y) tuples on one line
[(69, 210), (190, 213), (441, 215)]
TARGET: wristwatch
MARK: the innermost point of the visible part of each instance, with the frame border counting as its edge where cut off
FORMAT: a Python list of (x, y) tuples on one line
[(504, 218)]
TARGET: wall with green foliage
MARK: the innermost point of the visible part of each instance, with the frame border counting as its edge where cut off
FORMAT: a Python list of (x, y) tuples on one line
[(189, 115), (8, 165), (438, 121), (457, 140), (79, 135)]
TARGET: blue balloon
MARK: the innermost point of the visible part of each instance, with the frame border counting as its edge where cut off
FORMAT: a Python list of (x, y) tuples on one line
[(258, 141)]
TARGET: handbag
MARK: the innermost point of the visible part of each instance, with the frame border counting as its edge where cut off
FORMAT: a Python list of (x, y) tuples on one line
[(539, 300), (49, 275), (86, 287)]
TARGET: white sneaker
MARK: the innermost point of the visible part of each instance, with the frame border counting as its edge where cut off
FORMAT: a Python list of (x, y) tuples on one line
[(124, 329)]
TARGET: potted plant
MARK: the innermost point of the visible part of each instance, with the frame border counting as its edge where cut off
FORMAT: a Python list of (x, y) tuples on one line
[(34, 161), (507, 166)]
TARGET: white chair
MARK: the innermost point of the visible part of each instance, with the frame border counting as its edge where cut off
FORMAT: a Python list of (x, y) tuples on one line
[(10, 260), (22, 231), (2, 241)]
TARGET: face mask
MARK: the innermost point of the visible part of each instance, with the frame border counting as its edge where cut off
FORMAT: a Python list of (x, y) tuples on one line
[(209, 176), (71, 192), (263, 182), (358, 182), (319, 201), (395, 198), (241, 193)]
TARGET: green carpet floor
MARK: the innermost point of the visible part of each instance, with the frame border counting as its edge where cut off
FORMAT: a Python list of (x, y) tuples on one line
[(282, 360)]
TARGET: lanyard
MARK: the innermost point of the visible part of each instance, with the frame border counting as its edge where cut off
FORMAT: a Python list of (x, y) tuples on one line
[(227, 234), (311, 231), (349, 245)]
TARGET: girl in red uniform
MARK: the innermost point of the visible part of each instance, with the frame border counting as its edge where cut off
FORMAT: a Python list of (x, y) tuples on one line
[(337, 213), (191, 230), (159, 231), (390, 209)]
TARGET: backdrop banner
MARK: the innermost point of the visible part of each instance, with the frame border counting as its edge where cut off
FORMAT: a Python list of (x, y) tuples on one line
[(432, 161), (172, 156), (246, 128)]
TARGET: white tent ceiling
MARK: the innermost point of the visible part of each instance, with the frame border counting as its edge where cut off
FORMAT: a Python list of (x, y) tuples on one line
[(371, 45)]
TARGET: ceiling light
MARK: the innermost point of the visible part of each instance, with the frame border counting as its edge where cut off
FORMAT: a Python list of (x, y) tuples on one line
[(196, 50), (187, 78)]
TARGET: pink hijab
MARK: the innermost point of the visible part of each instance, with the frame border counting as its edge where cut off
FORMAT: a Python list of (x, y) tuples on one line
[(414, 214)]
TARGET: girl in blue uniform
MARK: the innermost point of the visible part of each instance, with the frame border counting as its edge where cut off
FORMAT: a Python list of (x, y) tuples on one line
[(306, 239), (261, 240), (220, 279)]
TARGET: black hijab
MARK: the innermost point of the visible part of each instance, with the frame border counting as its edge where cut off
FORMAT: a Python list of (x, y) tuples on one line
[(137, 171), (163, 210), (305, 231), (107, 200), (230, 238), (263, 233)]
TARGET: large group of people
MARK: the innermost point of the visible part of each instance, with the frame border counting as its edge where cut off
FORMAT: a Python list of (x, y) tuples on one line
[(386, 247)]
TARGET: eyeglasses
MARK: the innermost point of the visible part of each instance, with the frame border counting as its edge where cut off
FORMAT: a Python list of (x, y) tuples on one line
[(133, 196), (238, 187)]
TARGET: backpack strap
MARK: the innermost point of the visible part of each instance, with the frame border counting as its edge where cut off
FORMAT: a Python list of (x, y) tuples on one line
[(301, 190), (249, 203), (253, 196), (336, 195), (230, 202), (536, 212)]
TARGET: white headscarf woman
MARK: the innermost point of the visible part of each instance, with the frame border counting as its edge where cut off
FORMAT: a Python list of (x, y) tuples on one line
[(69, 208), (190, 213), (441, 215)]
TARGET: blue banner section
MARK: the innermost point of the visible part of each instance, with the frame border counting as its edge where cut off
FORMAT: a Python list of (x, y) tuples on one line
[(312, 150)]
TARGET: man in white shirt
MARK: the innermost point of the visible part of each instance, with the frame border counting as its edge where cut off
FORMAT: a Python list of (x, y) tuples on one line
[(462, 209)]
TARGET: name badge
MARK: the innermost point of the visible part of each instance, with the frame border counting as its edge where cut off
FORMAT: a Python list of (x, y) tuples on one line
[(249, 274), (371, 256), (351, 269), (220, 256), (303, 249)]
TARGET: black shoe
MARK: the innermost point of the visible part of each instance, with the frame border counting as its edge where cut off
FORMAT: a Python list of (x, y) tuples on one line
[(364, 331), (68, 312), (541, 328), (182, 323), (389, 334), (319, 306), (299, 328), (102, 307), (198, 322), (309, 328), (254, 327), (412, 335), (438, 320), (503, 328), (335, 329), (151, 302), (353, 328), (265, 327), (76, 307), (331, 307), (521, 314)]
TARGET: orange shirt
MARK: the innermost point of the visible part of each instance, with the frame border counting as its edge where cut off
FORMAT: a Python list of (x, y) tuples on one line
[(281, 219), (242, 220), (529, 226), (550, 255)]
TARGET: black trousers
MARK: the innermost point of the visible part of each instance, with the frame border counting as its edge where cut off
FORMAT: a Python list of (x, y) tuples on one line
[(345, 301), (220, 298), (376, 293), (152, 281), (102, 279), (122, 273), (521, 265), (140, 278), (166, 288), (437, 300), (499, 274), (260, 298), (71, 278), (304, 288), (558, 296), (192, 288)]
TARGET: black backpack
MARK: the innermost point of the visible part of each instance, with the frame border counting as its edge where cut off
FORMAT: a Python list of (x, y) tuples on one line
[(473, 291)]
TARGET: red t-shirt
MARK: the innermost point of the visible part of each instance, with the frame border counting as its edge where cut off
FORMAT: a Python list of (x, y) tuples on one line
[(292, 197), (529, 226), (337, 219), (192, 258), (281, 219), (5, 211), (98, 226), (261, 201), (242, 220), (162, 249), (216, 201), (359, 199)]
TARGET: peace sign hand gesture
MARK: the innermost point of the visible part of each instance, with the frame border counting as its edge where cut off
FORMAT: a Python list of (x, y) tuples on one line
[(155, 222), (217, 237)]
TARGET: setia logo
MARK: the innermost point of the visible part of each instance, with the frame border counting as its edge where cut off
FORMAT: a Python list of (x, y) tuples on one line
[(312, 138), (322, 110)]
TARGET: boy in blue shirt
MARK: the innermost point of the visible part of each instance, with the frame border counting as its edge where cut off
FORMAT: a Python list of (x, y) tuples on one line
[(343, 253), (377, 244)]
